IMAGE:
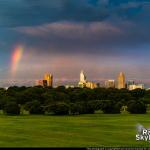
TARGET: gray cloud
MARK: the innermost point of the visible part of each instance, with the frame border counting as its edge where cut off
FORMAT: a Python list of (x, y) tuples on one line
[(31, 12), (96, 37)]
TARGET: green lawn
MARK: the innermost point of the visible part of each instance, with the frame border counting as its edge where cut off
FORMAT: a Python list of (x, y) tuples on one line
[(71, 131)]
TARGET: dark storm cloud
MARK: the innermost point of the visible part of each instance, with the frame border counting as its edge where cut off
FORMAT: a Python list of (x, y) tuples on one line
[(31, 12), (75, 25), (96, 37), (36, 12), (69, 36)]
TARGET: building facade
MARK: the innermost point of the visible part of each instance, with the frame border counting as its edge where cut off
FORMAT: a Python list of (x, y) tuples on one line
[(130, 82), (69, 86), (84, 83), (91, 85), (110, 84), (49, 79), (121, 81), (136, 86), (82, 77), (41, 83), (46, 82)]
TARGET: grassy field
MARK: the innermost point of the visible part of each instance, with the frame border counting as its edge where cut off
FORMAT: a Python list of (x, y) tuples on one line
[(71, 131)]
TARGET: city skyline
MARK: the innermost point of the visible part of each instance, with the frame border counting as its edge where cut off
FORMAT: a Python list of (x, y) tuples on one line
[(48, 80), (75, 82), (102, 37)]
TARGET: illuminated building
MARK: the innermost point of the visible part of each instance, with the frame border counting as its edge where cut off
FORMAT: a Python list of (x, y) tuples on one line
[(110, 84), (46, 82), (41, 83), (130, 82), (91, 85), (136, 86), (121, 81), (69, 86), (49, 79), (84, 83)]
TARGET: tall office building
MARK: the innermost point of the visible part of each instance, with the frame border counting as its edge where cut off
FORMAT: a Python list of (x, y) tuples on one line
[(121, 81), (110, 84), (82, 77), (84, 83), (49, 79)]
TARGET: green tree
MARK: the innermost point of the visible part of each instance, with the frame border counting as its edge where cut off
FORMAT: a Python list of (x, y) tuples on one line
[(109, 107), (59, 108), (11, 108), (34, 107), (136, 107), (73, 109)]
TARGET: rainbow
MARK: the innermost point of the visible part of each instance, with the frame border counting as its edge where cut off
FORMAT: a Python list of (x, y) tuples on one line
[(15, 58)]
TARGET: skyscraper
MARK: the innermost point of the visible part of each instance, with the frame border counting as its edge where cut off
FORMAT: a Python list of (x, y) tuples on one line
[(82, 77), (121, 81), (49, 79), (82, 82)]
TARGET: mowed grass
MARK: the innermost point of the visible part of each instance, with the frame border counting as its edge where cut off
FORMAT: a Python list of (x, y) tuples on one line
[(71, 131)]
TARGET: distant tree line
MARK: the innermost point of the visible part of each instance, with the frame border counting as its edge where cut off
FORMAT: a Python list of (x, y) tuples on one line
[(72, 101)]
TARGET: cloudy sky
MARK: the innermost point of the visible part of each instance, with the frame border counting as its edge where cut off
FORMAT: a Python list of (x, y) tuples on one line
[(102, 37)]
